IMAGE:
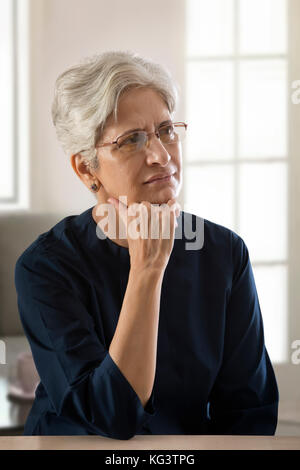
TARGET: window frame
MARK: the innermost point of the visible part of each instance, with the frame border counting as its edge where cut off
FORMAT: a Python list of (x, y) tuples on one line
[(237, 160), (21, 116)]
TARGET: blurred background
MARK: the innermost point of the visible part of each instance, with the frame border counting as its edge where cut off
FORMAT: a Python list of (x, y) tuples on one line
[(237, 63)]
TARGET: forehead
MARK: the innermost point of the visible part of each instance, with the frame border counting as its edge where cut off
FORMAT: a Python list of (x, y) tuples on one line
[(139, 108)]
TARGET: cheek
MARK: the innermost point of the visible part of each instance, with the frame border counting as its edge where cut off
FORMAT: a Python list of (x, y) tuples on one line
[(121, 180), (177, 163), (178, 156), (112, 174)]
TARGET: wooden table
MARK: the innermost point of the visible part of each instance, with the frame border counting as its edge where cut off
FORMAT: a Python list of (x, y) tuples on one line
[(141, 442)]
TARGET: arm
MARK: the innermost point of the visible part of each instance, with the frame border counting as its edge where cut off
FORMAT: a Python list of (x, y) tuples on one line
[(244, 398), (81, 379), (134, 345)]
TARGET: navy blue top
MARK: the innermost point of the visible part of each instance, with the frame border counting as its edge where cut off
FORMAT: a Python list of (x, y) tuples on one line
[(213, 372)]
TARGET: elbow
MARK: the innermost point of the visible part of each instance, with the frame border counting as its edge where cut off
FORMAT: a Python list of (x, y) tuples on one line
[(121, 435), (124, 436), (113, 427)]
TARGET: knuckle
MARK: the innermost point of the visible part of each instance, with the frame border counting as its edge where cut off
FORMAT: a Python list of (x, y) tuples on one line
[(145, 204)]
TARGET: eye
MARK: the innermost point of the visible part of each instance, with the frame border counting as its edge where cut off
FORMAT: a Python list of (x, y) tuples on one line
[(130, 139), (167, 131)]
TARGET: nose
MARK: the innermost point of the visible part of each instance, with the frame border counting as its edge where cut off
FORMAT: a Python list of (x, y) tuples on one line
[(155, 150)]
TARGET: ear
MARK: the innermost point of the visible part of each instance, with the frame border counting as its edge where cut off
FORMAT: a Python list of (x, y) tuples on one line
[(82, 169)]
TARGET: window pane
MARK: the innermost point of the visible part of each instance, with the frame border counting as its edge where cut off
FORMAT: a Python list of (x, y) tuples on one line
[(271, 285), (209, 27), (263, 108), (209, 110), (209, 193), (6, 98), (262, 26), (263, 210)]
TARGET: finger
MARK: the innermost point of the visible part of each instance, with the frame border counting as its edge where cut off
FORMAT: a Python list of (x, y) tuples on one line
[(114, 201), (175, 205), (178, 209), (120, 207)]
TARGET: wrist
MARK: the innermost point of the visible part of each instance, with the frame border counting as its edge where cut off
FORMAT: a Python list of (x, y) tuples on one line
[(147, 271)]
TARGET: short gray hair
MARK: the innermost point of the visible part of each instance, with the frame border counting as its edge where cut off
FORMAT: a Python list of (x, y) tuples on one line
[(86, 94)]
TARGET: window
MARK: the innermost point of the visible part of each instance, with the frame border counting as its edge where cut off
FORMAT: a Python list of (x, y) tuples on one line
[(236, 155), (13, 102)]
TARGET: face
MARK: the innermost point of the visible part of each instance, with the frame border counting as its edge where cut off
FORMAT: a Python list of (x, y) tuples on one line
[(125, 175)]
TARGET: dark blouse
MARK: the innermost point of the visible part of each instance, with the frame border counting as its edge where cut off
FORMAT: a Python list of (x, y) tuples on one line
[(213, 372)]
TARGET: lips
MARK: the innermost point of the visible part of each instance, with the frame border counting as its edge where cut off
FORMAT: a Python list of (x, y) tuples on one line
[(159, 176)]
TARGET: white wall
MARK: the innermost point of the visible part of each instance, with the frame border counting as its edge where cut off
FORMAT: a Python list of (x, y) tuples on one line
[(62, 32)]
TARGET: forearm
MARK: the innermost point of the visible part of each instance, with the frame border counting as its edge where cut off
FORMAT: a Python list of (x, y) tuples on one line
[(134, 345)]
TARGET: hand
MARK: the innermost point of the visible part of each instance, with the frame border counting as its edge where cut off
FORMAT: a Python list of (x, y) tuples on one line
[(144, 250)]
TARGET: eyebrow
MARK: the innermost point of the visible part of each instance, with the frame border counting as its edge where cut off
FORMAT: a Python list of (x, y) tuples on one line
[(140, 129)]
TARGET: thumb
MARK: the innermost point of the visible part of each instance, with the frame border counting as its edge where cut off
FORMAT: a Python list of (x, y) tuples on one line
[(113, 201), (120, 207)]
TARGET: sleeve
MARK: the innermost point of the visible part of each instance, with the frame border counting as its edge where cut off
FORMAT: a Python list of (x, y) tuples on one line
[(244, 398), (81, 379)]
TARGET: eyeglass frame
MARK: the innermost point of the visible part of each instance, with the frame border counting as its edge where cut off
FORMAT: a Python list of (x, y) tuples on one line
[(185, 125)]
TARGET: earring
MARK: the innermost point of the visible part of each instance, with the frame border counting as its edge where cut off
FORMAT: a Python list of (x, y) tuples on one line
[(94, 187)]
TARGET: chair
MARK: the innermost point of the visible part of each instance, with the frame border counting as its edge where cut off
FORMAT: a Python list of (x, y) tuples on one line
[(17, 231)]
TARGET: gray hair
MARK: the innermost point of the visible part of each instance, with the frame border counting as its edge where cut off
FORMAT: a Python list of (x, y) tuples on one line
[(86, 94)]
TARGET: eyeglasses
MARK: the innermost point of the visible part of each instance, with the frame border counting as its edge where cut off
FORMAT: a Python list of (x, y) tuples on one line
[(132, 142)]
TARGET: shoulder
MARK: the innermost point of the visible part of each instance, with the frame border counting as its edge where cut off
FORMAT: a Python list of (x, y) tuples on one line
[(46, 242), (221, 247), (54, 248)]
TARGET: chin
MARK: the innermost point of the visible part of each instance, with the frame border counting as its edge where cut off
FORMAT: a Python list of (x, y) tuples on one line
[(163, 198), (159, 195)]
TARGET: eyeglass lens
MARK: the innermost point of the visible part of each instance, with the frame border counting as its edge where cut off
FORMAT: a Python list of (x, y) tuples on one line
[(138, 140)]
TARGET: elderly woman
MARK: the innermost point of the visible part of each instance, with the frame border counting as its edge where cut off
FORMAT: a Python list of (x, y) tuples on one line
[(138, 334)]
